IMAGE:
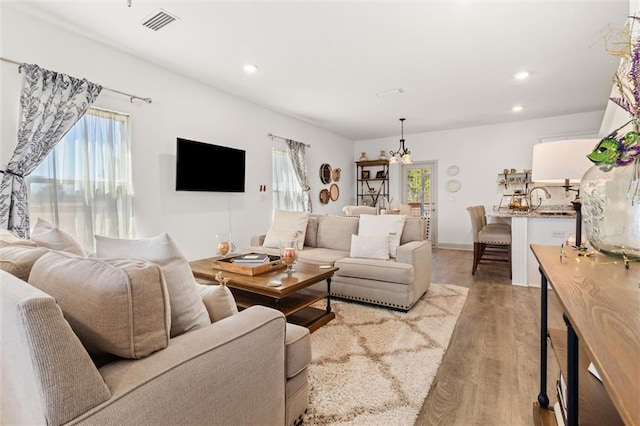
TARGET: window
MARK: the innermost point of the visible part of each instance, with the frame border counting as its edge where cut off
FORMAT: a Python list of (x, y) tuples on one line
[(84, 185), (287, 191)]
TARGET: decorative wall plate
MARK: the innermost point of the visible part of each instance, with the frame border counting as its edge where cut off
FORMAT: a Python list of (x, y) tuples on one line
[(335, 174), (325, 173), (325, 196), (334, 191), (453, 170), (454, 185)]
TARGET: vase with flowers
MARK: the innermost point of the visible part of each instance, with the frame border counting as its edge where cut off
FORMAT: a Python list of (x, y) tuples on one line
[(610, 190)]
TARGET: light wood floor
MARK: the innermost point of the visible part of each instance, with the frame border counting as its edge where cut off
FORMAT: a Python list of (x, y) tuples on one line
[(490, 372)]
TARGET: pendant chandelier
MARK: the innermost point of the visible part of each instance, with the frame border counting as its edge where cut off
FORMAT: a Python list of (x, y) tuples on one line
[(402, 155)]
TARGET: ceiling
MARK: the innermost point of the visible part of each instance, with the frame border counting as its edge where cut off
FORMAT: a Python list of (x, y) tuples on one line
[(324, 62)]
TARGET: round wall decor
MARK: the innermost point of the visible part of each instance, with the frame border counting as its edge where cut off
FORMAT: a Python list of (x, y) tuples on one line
[(453, 170), (334, 191), (454, 185), (325, 173), (335, 174), (325, 196)]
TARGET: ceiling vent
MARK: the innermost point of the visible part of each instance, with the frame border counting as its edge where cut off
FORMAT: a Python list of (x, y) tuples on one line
[(158, 20), (391, 92)]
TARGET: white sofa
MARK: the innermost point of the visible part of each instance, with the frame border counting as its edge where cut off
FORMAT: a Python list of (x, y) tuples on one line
[(397, 283)]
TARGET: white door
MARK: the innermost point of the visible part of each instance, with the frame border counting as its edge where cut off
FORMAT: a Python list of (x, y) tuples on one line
[(419, 190)]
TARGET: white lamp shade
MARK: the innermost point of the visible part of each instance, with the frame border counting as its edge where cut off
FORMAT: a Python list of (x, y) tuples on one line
[(555, 162)]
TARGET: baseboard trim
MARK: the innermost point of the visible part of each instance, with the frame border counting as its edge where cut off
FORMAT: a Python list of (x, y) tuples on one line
[(455, 246)]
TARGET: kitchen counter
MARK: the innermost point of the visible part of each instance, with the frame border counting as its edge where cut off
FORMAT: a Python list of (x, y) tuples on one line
[(552, 227), (564, 214)]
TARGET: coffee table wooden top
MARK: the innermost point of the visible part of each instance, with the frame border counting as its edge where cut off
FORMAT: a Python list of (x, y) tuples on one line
[(304, 276)]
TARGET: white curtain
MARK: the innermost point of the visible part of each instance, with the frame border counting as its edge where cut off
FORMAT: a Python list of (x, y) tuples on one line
[(84, 184), (287, 192)]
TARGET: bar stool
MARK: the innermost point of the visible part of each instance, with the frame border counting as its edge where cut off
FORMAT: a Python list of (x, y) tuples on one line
[(491, 243), (483, 213)]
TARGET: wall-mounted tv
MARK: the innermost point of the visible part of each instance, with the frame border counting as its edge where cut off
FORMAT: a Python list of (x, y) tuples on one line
[(210, 168)]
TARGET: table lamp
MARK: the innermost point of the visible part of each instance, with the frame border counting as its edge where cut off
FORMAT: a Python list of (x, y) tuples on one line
[(564, 162)]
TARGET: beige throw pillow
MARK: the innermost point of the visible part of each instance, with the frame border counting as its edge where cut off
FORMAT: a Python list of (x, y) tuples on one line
[(388, 224), (114, 306), (8, 238), (187, 310), (219, 301), (370, 246), (291, 221), (273, 237), (18, 259), (47, 235)]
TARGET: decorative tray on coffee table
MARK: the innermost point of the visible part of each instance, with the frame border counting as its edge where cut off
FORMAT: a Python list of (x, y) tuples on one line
[(226, 264)]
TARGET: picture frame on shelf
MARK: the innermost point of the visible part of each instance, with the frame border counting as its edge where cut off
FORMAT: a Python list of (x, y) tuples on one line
[(381, 174), (365, 174)]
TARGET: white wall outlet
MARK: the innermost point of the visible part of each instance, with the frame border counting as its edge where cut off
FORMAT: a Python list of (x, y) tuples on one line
[(557, 234)]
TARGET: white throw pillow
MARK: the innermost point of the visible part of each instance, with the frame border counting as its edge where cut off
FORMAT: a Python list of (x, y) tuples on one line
[(291, 221), (218, 300), (387, 224), (273, 237), (370, 246), (187, 309), (47, 235)]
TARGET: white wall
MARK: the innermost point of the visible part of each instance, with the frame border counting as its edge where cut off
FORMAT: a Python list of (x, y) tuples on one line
[(181, 108), (480, 153)]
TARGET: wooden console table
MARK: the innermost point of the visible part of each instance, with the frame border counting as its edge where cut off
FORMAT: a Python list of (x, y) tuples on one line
[(601, 303)]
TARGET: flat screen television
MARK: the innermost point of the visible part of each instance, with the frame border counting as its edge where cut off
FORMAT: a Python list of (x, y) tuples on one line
[(209, 168)]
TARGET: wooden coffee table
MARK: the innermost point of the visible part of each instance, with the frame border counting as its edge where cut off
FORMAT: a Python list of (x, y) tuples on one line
[(293, 298)]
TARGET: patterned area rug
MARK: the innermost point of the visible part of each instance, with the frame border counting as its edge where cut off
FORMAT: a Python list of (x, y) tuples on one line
[(374, 366)]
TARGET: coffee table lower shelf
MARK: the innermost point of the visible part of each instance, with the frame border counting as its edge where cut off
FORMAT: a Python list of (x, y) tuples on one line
[(296, 307)]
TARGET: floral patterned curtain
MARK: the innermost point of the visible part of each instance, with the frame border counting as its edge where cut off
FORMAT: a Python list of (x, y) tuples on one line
[(297, 152), (50, 103)]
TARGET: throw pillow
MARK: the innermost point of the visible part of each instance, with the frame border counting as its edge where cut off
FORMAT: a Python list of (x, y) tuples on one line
[(273, 237), (388, 224), (291, 221), (187, 310), (219, 301), (18, 259), (370, 246), (114, 306), (47, 235), (8, 238)]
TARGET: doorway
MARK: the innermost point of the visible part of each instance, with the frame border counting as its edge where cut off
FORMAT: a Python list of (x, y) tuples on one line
[(419, 190)]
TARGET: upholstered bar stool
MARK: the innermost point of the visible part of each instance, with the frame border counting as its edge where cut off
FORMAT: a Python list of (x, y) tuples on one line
[(483, 213), (491, 244)]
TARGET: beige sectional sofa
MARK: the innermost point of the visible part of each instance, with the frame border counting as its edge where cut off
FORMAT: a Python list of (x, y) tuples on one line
[(397, 283), (248, 368)]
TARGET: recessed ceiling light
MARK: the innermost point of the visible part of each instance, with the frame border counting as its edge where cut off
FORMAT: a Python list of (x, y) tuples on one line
[(250, 68), (517, 108), (522, 75)]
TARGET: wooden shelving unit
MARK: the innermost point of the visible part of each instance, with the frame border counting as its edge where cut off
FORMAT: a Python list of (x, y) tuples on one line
[(369, 190), (599, 298)]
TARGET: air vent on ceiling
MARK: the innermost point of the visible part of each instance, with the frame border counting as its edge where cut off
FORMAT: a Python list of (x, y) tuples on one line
[(391, 92), (158, 20)]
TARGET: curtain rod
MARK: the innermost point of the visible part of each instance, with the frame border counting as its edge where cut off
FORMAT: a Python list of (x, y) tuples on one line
[(271, 135), (131, 97)]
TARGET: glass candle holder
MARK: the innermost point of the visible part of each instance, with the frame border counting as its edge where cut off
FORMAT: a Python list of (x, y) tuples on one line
[(289, 253), (224, 244)]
